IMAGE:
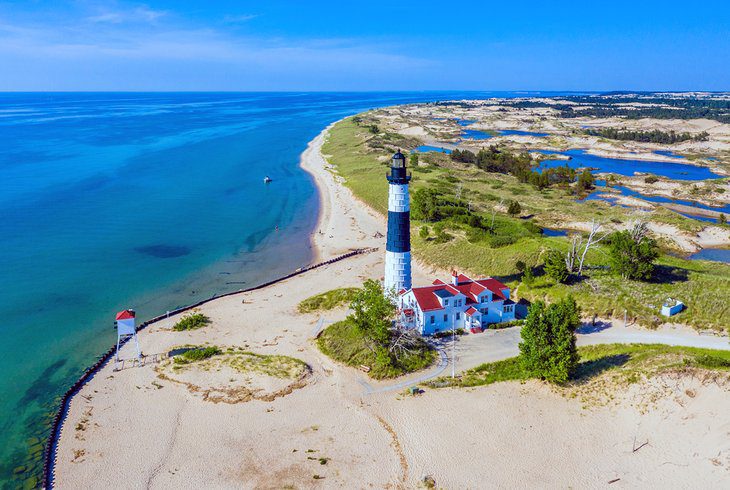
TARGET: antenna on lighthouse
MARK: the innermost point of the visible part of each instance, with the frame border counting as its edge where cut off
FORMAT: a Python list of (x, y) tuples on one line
[(126, 328)]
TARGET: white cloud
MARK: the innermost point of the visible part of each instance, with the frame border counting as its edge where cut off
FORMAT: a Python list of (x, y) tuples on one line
[(115, 46), (239, 19), (141, 13)]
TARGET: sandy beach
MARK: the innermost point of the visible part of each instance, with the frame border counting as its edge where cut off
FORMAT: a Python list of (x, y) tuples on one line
[(333, 428)]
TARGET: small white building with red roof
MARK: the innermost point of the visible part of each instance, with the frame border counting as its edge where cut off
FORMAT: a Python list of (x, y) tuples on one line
[(464, 303)]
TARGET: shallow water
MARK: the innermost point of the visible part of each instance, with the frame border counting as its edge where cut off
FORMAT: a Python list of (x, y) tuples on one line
[(427, 148), (714, 254), (596, 195)]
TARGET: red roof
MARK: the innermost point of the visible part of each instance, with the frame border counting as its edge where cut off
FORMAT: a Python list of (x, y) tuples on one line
[(471, 311), (428, 301), (494, 286), (125, 315)]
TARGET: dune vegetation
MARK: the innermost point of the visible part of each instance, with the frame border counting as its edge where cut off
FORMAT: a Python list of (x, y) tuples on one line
[(460, 219)]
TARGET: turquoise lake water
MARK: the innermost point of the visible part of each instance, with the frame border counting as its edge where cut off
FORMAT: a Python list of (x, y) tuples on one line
[(149, 201)]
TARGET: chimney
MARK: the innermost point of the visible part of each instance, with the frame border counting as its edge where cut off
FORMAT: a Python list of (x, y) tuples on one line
[(454, 277)]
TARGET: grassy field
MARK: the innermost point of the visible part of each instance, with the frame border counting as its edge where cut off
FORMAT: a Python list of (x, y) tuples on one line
[(625, 363), (343, 343), (328, 300), (362, 158)]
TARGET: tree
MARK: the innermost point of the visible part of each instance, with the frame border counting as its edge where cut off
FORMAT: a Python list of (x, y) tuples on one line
[(514, 208), (548, 349), (722, 219), (586, 180), (413, 159), (372, 314), (424, 233), (633, 253), (555, 266), (520, 266), (528, 276)]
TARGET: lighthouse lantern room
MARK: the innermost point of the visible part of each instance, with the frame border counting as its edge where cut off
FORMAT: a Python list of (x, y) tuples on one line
[(398, 245)]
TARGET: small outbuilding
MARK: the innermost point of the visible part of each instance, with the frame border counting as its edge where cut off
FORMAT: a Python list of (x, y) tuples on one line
[(672, 307)]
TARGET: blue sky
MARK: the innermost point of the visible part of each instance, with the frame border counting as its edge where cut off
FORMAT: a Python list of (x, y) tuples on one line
[(372, 45)]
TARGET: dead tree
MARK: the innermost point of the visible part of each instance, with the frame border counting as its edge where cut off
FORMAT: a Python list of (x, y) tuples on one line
[(638, 230), (575, 243), (592, 241)]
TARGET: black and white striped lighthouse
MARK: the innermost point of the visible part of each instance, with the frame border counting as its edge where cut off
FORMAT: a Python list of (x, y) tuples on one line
[(398, 245)]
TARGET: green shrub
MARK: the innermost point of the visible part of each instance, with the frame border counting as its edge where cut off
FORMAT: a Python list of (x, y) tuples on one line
[(196, 354), (442, 237), (191, 322), (449, 333), (424, 233), (555, 266), (501, 325), (712, 362), (497, 241)]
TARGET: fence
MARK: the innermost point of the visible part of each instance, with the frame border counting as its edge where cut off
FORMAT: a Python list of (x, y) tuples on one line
[(49, 451)]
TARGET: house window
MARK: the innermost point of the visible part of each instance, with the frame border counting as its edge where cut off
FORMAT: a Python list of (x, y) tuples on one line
[(484, 311), (458, 315), (446, 317), (433, 319), (446, 302)]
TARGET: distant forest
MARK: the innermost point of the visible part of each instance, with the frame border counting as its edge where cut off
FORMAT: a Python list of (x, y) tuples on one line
[(655, 136), (655, 105)]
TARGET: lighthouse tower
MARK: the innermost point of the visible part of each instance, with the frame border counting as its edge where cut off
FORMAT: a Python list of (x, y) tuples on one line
[(398, 246)]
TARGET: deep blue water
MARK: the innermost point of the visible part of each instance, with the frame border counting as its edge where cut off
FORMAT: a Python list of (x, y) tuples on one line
[(554, 232), (672, 170), (150, 201)]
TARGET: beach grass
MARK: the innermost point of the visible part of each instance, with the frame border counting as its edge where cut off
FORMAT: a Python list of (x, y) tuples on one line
[(628, 362), (342, 342), (328, 300), (361, 159), (193, 321)]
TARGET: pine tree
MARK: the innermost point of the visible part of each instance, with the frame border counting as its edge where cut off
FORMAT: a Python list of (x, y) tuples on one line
[(514, 208), (555, 266), (548, 348)]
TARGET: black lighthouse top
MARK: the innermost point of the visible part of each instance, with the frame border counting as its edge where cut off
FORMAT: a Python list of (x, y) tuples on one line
[(398, 173)]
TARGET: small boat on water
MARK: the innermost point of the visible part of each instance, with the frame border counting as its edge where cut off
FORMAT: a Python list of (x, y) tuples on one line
[(267, 179)]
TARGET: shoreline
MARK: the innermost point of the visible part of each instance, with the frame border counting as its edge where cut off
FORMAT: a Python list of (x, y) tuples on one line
[(312, 161), (166, 434)]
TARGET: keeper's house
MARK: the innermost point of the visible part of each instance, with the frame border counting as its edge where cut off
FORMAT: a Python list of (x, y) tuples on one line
[(465, 303)]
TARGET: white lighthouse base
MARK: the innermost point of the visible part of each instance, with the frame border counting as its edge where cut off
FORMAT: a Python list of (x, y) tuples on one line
[(397, 272)]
